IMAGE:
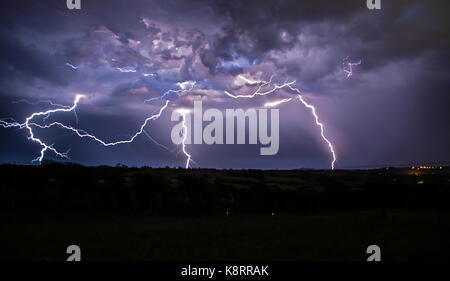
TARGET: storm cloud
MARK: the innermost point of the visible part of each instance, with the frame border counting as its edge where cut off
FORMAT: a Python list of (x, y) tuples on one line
[(393, 110)]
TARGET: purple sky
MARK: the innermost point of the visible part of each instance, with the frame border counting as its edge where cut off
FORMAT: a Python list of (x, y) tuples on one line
[(394, 110)]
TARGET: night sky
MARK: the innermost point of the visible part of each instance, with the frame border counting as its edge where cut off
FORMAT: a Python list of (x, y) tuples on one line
[(394, 110)]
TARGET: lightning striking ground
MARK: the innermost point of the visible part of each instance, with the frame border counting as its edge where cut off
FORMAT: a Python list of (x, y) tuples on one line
[(184, 87), (81, 133), (28, 125), (84, 134), (318, 123), (288, 85)]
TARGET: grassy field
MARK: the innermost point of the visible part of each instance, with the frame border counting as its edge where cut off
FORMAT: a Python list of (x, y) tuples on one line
[(281, 237)]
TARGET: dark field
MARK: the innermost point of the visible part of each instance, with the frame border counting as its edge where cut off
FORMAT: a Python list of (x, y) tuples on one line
[(173, 214)]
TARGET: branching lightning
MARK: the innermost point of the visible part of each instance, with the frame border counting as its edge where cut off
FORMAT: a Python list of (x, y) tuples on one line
[(288, 85), (259, 92), (263, 88), (40, 102), (348, 66), (50, 103), (28, 124), (185, 87), (84, 134)]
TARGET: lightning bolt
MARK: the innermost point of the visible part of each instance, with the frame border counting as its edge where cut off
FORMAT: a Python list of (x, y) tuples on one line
[(40, 102), (155, 142), (72, 66), (288, 85), (183, 113), (128, 69), (185, 87), (48, 102), (84, 134), (259, 91), (318, 123), (276, 103), (28, 124), (348, 66)]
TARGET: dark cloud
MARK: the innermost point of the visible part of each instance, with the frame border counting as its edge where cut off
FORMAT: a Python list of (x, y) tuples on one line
[(27, 62)]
